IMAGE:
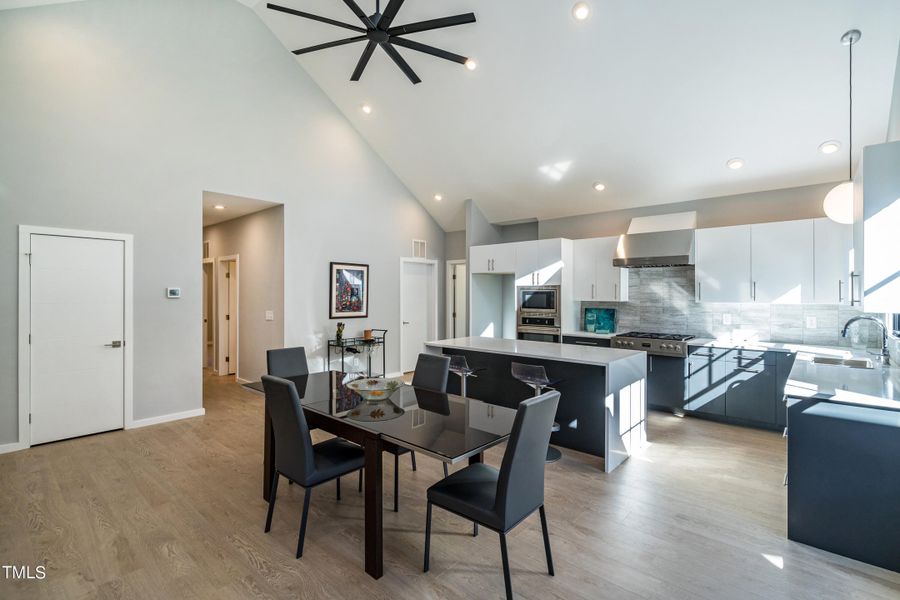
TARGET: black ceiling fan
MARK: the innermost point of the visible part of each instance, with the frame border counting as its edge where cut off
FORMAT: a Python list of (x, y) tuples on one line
[(378, 32)]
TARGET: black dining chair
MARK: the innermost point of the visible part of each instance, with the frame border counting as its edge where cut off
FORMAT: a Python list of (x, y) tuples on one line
[(432, 372), (287, 362), (296, 457), (501, 499)]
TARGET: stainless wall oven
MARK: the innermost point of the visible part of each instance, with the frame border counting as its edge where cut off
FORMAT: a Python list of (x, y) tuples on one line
[(538, 319)]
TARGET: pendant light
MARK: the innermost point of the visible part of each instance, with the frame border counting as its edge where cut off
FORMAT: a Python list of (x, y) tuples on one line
[(838, 202)]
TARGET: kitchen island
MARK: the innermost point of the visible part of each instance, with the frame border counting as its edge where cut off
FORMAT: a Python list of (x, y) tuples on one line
[(603, 405), (844, 457)]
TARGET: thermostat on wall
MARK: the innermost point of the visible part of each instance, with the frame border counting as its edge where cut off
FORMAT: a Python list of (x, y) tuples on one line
[(173, 292)]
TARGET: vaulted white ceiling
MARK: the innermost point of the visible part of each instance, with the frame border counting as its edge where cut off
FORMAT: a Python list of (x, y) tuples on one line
[(650, 97)]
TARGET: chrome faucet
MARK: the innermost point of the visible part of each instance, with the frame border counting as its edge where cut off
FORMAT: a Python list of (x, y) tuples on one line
[(885, 355)]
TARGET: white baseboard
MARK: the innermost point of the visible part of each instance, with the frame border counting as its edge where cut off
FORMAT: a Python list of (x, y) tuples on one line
[(242, 381), (14, 447), (197, 412)]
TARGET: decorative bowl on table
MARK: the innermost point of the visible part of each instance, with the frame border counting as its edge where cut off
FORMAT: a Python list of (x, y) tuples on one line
[(375, 389)]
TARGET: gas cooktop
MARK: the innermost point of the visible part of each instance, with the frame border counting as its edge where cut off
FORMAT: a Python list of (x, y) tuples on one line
[(661, 344), (678, 337)]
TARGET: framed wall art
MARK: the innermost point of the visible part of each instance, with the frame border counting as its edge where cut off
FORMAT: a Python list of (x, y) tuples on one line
[(349, 291)]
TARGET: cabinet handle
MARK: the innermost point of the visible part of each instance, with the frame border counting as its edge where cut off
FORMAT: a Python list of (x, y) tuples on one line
[(592, 291), (616, 291), (651, 362), (586, 343), (699, 290), (710, 355), (746, 370), (840, 291), (754, 291), (853, 299)]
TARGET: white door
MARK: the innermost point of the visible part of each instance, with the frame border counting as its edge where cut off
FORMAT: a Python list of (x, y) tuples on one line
[(205, 316), (833, 258), (418, 310), (782, 262), (723, 264), (77, 336), (460, 319), (232, 317)]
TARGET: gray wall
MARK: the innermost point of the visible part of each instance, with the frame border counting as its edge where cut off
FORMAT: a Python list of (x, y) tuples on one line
[(759, 207), (259, 240), (455, 245), (479, 230), (519, 232), (662, 299), (893, 133), (123, 111)]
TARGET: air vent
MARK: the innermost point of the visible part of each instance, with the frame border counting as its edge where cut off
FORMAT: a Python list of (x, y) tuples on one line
[(419, 249)]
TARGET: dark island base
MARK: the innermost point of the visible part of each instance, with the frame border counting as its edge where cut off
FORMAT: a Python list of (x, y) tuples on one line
[(581, 412)]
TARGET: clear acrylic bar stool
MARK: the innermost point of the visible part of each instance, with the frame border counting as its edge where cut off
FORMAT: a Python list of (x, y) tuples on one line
[(535, 377)]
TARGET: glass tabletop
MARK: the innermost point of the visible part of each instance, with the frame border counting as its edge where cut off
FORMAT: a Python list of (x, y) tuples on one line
[(448, 427)]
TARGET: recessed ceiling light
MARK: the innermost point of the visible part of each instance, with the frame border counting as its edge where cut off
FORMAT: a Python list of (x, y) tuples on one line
[(599, 187), (581, 11), (366, 109), (735, 163), (471, 64), (829, 147), (438, 197), (219, 207)]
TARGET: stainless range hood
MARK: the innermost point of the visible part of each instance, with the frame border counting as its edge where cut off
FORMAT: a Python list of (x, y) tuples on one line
[(644, 246)]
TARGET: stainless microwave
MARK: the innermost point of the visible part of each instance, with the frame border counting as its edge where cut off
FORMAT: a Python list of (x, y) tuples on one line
[(538, 299)]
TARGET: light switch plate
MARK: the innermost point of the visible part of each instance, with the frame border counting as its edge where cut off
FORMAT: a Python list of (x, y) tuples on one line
[(726, 318), (173, 293), (810, 322), (270, 315)]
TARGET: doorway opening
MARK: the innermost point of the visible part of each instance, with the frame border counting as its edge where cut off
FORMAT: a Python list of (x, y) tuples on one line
[(418, 308), (457, 290), (243, 284)]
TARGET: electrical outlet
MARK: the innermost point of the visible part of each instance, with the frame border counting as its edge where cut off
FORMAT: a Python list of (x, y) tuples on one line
[(270, 315), (726, 318), (810, 322)]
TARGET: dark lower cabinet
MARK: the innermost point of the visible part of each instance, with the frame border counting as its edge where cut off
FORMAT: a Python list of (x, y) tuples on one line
[(706, 381), (586, 341), (665, 383), (751, 394)]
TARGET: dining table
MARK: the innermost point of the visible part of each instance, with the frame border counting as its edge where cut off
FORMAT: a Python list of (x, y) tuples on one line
[(446, 427)]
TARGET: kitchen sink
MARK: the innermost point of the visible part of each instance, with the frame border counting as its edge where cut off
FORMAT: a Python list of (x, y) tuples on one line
[(854, 363)]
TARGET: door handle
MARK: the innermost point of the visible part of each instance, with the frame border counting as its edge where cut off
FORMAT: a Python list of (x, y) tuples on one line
[(114, 344), (406, 322)]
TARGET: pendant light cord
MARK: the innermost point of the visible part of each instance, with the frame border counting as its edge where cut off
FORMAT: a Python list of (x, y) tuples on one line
[(850, 120)]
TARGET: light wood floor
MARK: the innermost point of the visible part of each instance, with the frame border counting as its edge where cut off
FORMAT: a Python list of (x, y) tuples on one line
[(174, 511)]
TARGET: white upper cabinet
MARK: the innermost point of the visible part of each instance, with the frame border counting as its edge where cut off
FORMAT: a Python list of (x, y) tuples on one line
[(833, 256), (723, 272), (782, 262), (595, 277), (493, 258), (539, 262)]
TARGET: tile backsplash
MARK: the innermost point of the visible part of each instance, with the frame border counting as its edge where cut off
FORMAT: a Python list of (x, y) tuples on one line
[(662, 299)]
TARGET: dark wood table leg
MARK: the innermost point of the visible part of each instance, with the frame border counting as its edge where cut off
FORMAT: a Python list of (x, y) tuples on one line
[(476, 458), (374, 516), (268, 457)]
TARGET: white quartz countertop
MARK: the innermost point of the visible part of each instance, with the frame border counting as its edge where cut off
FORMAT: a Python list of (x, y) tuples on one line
[(876, 387), (588, 355)]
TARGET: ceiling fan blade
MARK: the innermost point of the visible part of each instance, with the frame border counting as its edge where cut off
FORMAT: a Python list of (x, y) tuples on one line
[(359, 13), (390, 11), (432, 24), (358, 38), (363, 61), (299, 13), (404, 66), (414, 45)]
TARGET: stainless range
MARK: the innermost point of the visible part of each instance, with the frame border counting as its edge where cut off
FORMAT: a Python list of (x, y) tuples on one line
[(659, 344)]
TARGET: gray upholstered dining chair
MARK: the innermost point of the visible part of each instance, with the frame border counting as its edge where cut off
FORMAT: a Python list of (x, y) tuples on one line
[(432, 372), (287, 362), (501, 499), (296, 457)]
